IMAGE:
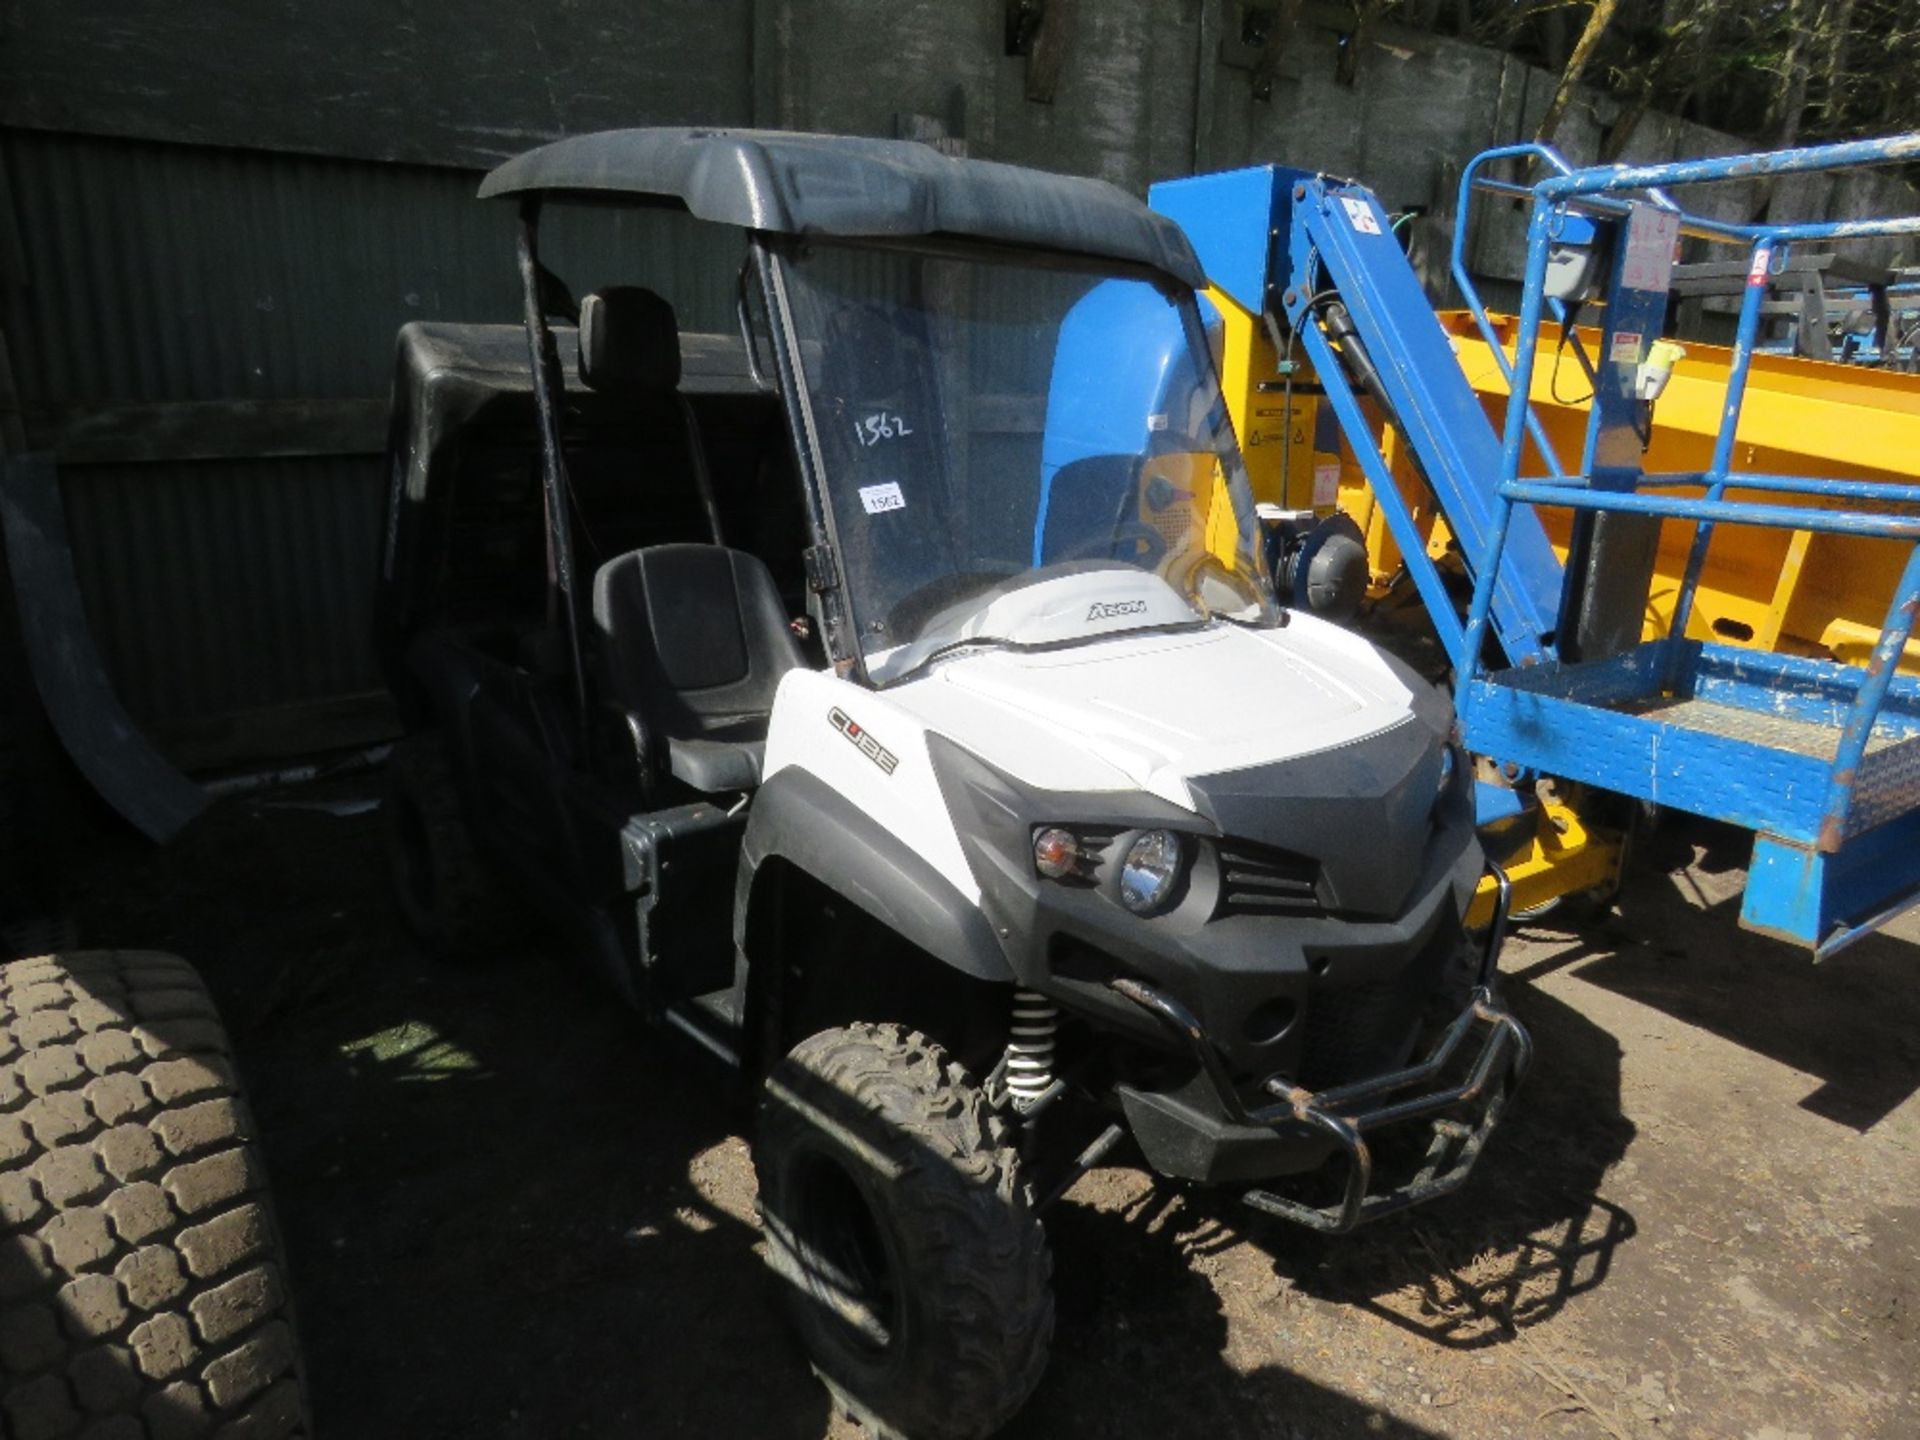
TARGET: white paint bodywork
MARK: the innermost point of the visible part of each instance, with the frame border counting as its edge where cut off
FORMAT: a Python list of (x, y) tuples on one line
[(1124, 711), (907, 803), (1063, 610)]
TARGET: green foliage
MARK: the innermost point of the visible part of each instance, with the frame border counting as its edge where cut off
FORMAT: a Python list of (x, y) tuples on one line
[(1775, 71)]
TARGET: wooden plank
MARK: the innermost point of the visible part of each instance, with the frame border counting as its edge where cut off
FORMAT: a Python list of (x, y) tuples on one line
[(462, 83), (210, 430)]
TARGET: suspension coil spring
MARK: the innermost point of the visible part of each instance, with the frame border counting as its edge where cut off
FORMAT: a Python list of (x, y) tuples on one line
[(1030, 1048)]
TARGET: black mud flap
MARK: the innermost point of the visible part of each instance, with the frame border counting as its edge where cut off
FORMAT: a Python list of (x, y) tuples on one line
[(96, 730)]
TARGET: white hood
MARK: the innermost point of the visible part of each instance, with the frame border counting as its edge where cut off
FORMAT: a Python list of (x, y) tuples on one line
[(1100, 601), (1145, 711)]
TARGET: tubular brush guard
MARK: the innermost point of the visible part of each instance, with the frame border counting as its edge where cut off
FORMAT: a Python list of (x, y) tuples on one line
[(1346, 1113)]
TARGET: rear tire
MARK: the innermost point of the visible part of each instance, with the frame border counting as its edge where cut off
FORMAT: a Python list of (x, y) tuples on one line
[(142, 1292), (894, 1210), (454, 899)]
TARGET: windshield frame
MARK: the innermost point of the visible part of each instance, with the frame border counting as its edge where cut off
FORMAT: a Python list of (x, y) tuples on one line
[(775, 254)]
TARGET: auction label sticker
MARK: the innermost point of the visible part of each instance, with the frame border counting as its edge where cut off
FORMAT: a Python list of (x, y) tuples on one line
[(1326, 483), (1625, 349), (1762, 263), (879, 499), (1360, 215), (1651, 237)]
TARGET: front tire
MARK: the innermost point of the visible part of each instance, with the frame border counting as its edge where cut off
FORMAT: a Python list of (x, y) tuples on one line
[(917, 1272)]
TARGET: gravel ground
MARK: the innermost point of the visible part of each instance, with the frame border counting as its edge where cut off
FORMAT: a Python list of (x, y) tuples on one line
[(515, 1212)]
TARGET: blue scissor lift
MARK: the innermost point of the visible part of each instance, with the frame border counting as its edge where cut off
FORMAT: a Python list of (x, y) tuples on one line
[(1821, 760)]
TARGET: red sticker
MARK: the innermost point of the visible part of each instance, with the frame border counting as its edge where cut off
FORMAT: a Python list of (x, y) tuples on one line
[(1762, 262)]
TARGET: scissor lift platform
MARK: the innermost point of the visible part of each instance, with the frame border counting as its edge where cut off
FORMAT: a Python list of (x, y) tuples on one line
[(1820, 759), (1751, 738)]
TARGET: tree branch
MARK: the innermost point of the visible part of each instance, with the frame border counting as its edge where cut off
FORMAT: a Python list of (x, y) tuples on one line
[(1589, 41)]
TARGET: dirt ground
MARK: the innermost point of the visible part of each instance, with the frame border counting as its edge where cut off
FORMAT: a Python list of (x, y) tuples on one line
[(514, 1212)]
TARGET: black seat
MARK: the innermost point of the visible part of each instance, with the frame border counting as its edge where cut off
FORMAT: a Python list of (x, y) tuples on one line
[(693, 640), (630, 348)]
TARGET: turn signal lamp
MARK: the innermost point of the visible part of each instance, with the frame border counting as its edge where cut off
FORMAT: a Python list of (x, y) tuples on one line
[(1056, 853)]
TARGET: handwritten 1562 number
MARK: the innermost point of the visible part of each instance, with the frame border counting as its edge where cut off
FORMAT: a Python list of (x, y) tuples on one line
[(882, 425)]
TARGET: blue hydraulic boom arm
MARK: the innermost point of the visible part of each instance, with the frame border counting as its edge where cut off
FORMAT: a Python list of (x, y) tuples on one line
[(1330, 257)]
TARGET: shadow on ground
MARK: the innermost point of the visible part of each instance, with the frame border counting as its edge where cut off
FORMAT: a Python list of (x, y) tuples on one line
[(490, 1178), (1852, 1022), (513, 1211), (1531, 1232), (1141, 1348)]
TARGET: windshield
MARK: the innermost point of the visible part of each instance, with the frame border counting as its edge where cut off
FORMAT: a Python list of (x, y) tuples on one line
[(1017, 454)]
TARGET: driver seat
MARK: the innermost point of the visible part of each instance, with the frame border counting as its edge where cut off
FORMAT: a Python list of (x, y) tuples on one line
[(692, 641)]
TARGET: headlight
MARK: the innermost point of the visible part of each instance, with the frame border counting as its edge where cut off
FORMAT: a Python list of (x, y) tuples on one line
[(1147, 875)]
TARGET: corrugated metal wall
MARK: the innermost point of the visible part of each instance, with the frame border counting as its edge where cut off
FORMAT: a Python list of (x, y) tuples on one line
[(230, 594), (237, 211)]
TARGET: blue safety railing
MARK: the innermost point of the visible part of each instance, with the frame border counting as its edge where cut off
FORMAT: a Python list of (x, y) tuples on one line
[(1597, 193), (1611, 192), (1472, 178), (1806, 753)]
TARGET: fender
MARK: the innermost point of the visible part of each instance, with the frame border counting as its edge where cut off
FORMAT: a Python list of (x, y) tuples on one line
[(800, 818)]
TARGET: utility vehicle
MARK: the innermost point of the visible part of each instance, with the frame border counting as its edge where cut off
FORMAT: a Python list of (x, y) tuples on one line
[(899, 706)]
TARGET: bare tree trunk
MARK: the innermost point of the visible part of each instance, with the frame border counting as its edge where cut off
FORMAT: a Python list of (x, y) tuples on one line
[(1365, 13), (1837, 21), (1790, 100), (1672, 73), (1589, 41), (1703, 23)]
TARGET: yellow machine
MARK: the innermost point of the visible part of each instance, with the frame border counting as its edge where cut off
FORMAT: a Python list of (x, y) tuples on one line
[(1793, 591), (1820, 595)]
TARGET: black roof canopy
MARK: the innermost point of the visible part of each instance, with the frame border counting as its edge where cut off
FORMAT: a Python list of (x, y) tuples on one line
[(802, 184)]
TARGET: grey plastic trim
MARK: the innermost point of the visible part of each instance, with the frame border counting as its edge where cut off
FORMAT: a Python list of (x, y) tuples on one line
[(800, 818)]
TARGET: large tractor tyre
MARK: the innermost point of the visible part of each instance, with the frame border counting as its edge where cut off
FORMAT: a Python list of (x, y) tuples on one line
[(142, 1292), (895, 1212), (453, 897)]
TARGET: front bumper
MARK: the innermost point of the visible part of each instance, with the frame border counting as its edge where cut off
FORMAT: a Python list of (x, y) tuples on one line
[(1460, 1114)]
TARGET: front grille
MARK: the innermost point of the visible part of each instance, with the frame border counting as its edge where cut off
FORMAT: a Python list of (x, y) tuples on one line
[(1356, 1032), (1094, 841), (1261, 880)]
